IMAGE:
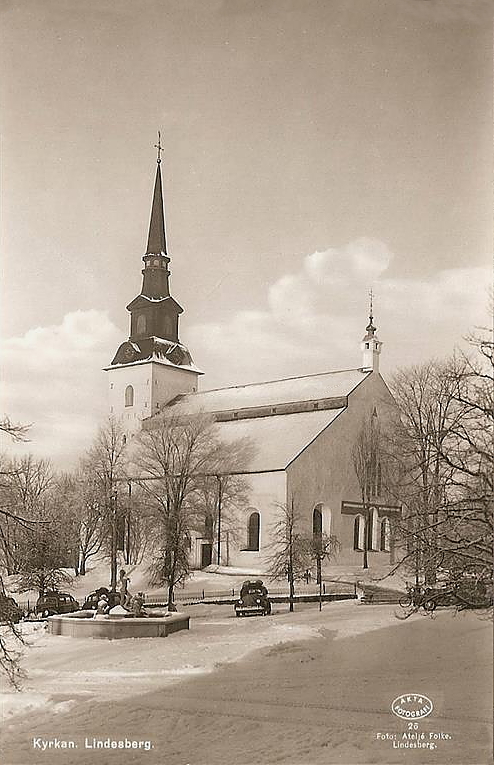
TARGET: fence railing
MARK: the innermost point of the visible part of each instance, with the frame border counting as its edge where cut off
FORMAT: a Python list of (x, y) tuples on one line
[(198, 596), (329, 587)]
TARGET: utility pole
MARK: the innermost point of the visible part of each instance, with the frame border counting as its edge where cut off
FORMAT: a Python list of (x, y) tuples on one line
[(220, 489)]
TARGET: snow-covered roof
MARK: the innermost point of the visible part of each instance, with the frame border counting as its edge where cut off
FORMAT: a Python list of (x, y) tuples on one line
[(279, 418), (276, 440), (289, 390)]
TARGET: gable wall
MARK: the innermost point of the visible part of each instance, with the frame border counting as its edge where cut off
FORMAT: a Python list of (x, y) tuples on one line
[(324, 473)]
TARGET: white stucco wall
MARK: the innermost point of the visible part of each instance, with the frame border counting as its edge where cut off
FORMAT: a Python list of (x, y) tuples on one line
[(154, 385), (324, 472), (266, 491)]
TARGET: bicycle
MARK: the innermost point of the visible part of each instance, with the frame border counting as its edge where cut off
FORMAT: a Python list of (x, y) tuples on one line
[(418, 597)]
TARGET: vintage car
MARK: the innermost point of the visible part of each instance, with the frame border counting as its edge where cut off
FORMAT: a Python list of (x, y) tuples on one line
[(54, 602), (465, 592), (10, 611), (253, 600), (92, 599)]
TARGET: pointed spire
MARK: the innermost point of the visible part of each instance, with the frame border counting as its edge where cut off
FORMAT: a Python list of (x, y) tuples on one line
[(157, 237)]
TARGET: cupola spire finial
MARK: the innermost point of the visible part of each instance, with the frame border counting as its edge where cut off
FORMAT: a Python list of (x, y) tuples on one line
[(159, 147), (157, 236)]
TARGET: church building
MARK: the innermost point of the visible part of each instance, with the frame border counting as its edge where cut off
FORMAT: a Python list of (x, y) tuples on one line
[(303, 429)]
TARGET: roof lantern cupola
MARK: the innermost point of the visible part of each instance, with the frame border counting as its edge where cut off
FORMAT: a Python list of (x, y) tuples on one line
[(370, 345)]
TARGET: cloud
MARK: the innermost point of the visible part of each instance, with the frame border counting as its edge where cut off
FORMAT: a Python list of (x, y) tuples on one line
[(313, 321), (53, 379), (315, 318)]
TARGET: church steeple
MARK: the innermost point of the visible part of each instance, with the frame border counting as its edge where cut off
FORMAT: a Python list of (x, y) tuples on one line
[(156, 276), (157, 234), (154, 313), (370, 345), (152, 367)]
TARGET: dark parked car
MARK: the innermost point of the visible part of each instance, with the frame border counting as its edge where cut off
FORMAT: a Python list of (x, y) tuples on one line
[(466, 592), (92, 599), (9, 610), (253, 600), (54, 602)]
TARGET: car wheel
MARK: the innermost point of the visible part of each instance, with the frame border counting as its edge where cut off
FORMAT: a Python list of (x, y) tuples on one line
[(429, 605)]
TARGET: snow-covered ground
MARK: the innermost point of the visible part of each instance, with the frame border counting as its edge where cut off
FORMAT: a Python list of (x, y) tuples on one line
[(215, 579), (61, 670)]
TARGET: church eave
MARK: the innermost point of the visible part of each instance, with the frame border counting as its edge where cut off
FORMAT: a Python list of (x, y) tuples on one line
[(154, 360)]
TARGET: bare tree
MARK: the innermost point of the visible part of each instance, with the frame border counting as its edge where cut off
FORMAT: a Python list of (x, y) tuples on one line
[(25, 484), (175, 460), (9, 521), (105, 465), (322, 547), (443, 458), (10, 638), (43, 557), (15, 430), (291, 554)]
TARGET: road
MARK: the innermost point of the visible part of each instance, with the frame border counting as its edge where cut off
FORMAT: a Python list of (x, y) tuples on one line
[(317, 701)]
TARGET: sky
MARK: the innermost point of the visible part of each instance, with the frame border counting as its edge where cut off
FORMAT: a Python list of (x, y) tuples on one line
[(313, 149)]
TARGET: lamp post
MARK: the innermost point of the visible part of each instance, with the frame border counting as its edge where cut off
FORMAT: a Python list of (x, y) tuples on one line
[(113, 561), (127, 541)]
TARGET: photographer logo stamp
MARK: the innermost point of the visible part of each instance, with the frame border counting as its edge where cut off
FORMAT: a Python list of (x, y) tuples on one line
[(412, 706)]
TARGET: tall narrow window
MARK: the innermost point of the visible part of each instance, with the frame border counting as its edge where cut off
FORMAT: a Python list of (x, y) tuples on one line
[(385, 534), (317, 520), (373, 543), (129, 396), (141, 324), (253, 531), (358, 533)]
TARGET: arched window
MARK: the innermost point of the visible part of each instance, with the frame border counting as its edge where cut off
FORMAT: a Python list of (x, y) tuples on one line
[(358, 533), (141, 324), (129, 396), (373, 530), (385, 535), (253, 526), (317, 521)]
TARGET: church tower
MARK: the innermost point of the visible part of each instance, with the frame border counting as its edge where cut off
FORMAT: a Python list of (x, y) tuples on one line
[(370, 345), (152, 366)]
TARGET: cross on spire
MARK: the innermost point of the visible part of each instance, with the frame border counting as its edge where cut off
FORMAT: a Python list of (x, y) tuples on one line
[(159, 147), (371, 295)]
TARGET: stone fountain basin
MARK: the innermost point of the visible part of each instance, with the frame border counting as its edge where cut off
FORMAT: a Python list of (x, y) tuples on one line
[(80, 624)]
